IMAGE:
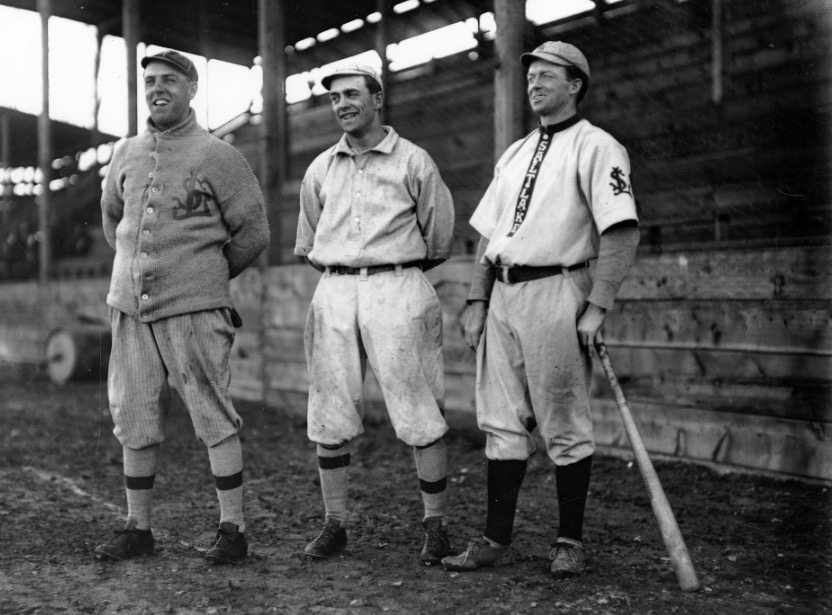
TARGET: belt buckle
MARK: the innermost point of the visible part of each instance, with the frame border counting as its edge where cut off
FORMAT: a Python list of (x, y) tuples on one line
[(506, 274)]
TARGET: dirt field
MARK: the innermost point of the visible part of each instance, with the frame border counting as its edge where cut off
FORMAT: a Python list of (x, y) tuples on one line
[(759, 545)]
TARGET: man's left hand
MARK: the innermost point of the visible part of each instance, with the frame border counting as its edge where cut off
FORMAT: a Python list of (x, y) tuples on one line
[(590, 323)]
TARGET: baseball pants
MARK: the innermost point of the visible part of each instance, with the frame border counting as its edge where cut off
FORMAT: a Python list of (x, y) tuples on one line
[(531, 370), (393, 320), (192, 350)]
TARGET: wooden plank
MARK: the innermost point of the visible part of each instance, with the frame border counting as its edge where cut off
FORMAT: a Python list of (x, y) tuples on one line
[(803, 401), (743, 366), (799, 273), (246, 382), (793, 447), (790, 326)]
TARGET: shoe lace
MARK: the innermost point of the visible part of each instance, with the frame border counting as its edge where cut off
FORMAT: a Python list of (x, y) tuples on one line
[(434, 539), (328, 533), (224, 539), (567, 550), (474, 546)]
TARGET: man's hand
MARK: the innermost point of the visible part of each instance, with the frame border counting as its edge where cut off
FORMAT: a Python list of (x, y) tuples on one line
[(589, 324), (475, 323)]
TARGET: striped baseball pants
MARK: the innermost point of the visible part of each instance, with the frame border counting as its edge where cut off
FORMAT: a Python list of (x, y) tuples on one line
[(191, 351)]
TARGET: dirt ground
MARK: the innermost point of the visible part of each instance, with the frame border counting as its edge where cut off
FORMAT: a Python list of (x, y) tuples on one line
[(759, 545)]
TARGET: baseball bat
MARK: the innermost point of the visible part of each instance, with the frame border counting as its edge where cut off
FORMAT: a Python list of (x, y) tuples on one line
[(672, 537)]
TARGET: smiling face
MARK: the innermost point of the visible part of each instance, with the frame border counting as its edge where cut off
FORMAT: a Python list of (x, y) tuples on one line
[(356, 109), (552, 94), (168, 93)]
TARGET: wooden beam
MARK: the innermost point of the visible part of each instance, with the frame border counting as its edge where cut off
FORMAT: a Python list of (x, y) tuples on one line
[(508, 77), (130, 27), (274, 143), (381, 41), (96, 94), (44, 150), (717, 55), (5, 161)]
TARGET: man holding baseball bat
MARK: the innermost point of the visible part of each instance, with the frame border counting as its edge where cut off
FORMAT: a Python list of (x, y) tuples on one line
[(560, 198)]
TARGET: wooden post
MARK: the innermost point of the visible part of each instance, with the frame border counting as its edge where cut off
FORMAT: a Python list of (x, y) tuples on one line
[(44, 151), (509, 88), (5, 161), (95, 135), (381, 50), (130, 25), (275, 137), (717, 51)]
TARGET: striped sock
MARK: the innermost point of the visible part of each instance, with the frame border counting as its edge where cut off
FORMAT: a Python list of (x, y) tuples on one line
[(140, 467), (432, 468), (227, 467), (333, 465)]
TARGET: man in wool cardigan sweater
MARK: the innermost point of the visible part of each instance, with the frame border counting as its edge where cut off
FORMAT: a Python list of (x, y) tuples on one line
[(185, 214)]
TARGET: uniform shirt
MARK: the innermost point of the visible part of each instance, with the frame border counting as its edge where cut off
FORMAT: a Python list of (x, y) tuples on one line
[(184, 213), (582, 188), (385, 206)]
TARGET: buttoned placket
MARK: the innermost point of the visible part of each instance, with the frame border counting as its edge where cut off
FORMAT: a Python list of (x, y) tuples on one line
[(359, 187), (145, 240)]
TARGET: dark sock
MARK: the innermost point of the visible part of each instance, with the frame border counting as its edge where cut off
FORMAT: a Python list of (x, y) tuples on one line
[(504, 480), (573, 486)]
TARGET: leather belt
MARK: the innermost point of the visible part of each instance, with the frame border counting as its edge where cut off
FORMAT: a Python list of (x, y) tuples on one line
[(346, 270), (515, 275)]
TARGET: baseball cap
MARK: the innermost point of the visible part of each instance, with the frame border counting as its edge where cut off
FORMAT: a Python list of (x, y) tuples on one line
[(352, 69), (557, 52), (175, 59)]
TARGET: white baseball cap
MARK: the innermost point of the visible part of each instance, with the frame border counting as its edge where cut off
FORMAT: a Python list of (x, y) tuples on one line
[(353, 69)]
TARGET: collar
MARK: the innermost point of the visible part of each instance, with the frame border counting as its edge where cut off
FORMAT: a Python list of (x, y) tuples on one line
[(385, 146), (551, 129), (187, 125)]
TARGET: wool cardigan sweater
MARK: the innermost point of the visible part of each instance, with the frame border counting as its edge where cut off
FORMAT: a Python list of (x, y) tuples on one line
[(185, 214)]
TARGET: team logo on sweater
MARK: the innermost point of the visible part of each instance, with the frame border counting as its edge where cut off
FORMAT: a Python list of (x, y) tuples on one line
[(196, 200), (620, 186)]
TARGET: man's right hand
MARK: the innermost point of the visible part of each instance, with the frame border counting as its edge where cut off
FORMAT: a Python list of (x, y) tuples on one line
[(475, 323)]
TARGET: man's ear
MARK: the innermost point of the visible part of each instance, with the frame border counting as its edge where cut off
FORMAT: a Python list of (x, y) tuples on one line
[(378, 100), (192, 88)]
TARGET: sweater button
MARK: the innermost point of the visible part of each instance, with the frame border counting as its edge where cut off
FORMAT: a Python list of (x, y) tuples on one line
[(145, 297), (143, 254)]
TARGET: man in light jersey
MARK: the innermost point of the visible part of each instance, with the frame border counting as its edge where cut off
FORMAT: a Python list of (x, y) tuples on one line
[(560, 198)]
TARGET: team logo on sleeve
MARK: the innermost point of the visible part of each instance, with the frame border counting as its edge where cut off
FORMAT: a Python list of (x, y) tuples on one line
[(619, 184), (196, 200)]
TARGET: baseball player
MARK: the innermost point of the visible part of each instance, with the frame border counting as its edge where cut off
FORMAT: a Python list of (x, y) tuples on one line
[(560, 197), (185, 214), (374, 214)]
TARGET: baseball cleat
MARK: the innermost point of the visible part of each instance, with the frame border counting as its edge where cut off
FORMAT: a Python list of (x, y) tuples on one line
[(230, 547), (567, 558), (437, 543), (480, 552), (128, 543), (331, 540)]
